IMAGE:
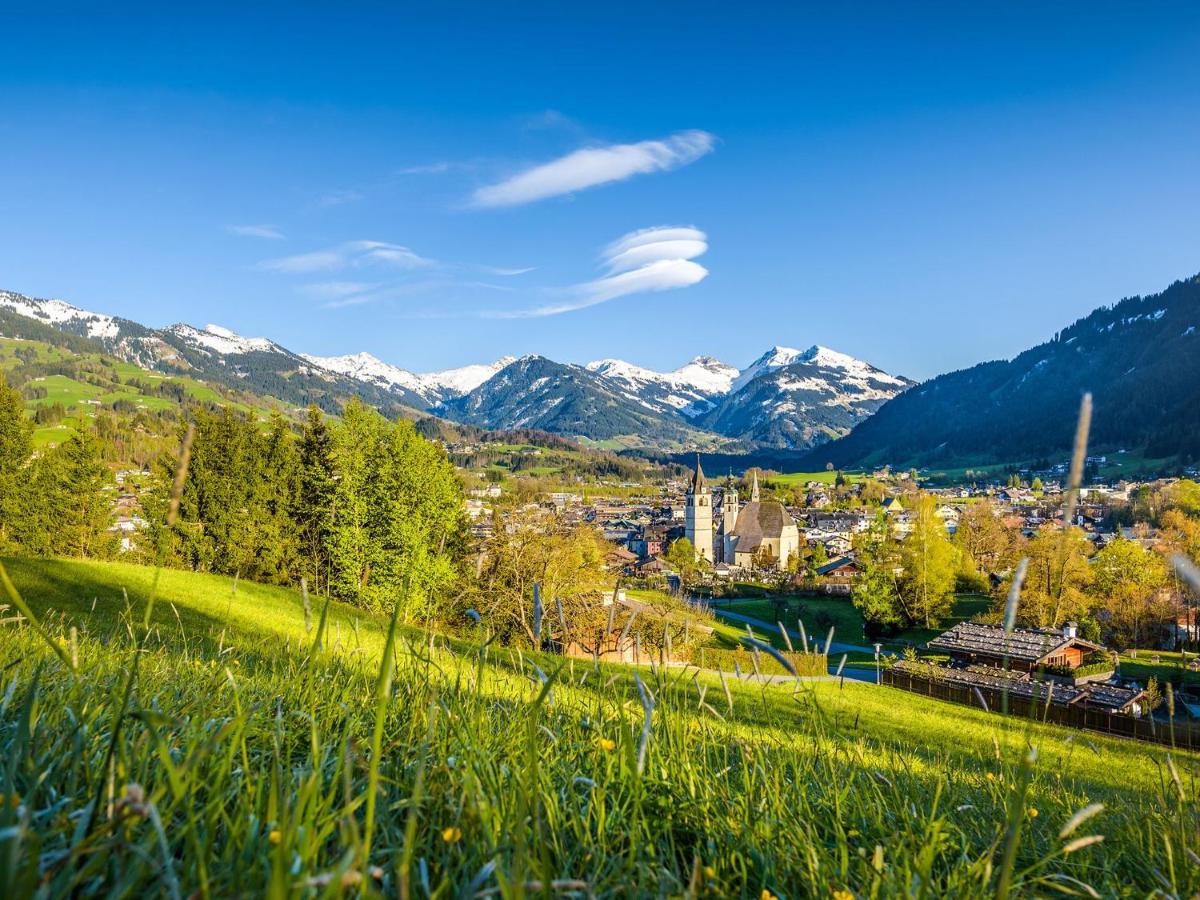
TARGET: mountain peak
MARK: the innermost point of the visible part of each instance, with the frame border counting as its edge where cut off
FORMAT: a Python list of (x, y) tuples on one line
[(221, 340)]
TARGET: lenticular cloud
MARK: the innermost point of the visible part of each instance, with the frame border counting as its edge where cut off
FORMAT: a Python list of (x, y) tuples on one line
[(653, 259)]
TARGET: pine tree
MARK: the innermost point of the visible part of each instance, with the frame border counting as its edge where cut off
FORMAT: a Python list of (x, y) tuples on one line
[(314, 501), (15, 447)]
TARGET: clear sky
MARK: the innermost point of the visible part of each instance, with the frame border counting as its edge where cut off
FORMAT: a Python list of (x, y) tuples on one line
[(924, 187)]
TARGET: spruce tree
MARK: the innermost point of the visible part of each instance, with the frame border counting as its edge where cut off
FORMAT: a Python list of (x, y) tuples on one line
[(15, 437), (313, 509)]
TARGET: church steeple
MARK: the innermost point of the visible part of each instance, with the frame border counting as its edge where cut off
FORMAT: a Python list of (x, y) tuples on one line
[(698, 485), (698, 513), (754, 488)]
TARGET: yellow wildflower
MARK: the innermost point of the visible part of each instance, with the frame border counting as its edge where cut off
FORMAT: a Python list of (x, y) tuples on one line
[(710, 872), (451, 834), (842, 894), (1033, 813), (607, 745), (767, 895), (274, 837), (991, 777)]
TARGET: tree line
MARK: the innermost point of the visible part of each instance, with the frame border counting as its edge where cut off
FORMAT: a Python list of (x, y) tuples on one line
[(359, 507), (1123, 593)]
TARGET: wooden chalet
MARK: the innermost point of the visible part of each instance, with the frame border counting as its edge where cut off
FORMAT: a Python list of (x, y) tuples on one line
[(1025, 649), (842, 568)]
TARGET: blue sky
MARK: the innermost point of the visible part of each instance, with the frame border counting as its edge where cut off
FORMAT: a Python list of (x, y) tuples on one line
[(923, 188)]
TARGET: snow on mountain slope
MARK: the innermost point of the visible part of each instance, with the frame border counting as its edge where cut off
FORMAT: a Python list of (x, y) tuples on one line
[(368, 368), (689, 390), (61, 315), (775, 358), (800, 399), (222, 340), (463, 380), (432, 387)]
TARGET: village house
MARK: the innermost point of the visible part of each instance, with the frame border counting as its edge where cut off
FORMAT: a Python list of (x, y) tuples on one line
[(1023, 649)]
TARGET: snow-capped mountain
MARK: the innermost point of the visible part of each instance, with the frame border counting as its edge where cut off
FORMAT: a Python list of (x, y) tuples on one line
[(463, 380), (535, 392), (222, 340), (369, 369), (432, 387), (689, 389), (61, 315), (801, 398)]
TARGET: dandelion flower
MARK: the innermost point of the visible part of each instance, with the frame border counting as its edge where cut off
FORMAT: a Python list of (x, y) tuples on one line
[(1033, 813), (710, 872), (607, 745), (451, 834), (842, 894), (767, 895), (274, 837), (991, 777)]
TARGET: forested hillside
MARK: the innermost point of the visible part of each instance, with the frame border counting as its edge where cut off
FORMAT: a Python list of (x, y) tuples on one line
[(1139, 358)]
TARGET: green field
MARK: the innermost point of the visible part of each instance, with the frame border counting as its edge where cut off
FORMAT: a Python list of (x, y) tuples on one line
[(258, 756), (848, 621), (108, 381)]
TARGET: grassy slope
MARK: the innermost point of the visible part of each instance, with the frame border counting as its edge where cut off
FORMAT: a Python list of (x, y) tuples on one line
[(80, 397), (787, 792)]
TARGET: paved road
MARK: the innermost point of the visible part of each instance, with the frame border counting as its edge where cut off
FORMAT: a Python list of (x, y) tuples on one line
[(835, 647)]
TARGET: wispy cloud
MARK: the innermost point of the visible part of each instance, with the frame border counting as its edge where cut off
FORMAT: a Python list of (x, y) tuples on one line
[(593, 166), (269, 232), (653, 259), (351, 254), (507, 272), (339, 198), (434, 168)]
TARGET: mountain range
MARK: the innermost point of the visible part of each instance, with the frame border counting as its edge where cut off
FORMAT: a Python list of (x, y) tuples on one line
[(789, 399)]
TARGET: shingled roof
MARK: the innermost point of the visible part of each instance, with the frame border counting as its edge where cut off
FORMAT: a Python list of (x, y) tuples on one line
[(757, 521), (1025, 644)]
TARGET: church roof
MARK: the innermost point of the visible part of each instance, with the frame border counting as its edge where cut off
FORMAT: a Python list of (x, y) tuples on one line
[(758, 521), (698, 483)]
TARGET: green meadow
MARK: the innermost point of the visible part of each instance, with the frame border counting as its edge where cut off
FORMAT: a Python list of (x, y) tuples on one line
[(248, 743)]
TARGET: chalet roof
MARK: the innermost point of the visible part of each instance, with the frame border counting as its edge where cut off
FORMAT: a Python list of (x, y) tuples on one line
[(758, 521), (1025, 644), (835, 564), (1094, 696)]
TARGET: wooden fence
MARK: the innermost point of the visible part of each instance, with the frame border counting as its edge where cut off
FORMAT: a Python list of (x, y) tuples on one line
[(1184, 735)]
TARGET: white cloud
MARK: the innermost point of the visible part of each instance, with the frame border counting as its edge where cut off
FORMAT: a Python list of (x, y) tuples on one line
[(352, 254), (653, 259), (506, 272), (594, 166), (270, 232)]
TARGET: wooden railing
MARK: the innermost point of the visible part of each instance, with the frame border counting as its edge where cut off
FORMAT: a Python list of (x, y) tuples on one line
[(1184, 735)]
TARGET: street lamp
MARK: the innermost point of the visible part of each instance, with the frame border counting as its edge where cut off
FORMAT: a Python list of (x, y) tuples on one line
[(878, 647)]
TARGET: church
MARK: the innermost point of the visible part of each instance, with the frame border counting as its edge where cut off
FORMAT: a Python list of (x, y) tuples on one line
[(743, 534)]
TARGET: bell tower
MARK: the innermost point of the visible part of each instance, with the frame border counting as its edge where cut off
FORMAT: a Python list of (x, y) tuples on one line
[(698, 524)]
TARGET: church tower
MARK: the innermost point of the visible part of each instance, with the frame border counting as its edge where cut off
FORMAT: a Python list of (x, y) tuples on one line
[(729, 514), (698, 523)]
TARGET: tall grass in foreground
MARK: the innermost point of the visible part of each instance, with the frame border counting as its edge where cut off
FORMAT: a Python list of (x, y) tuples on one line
[(249, 768)]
